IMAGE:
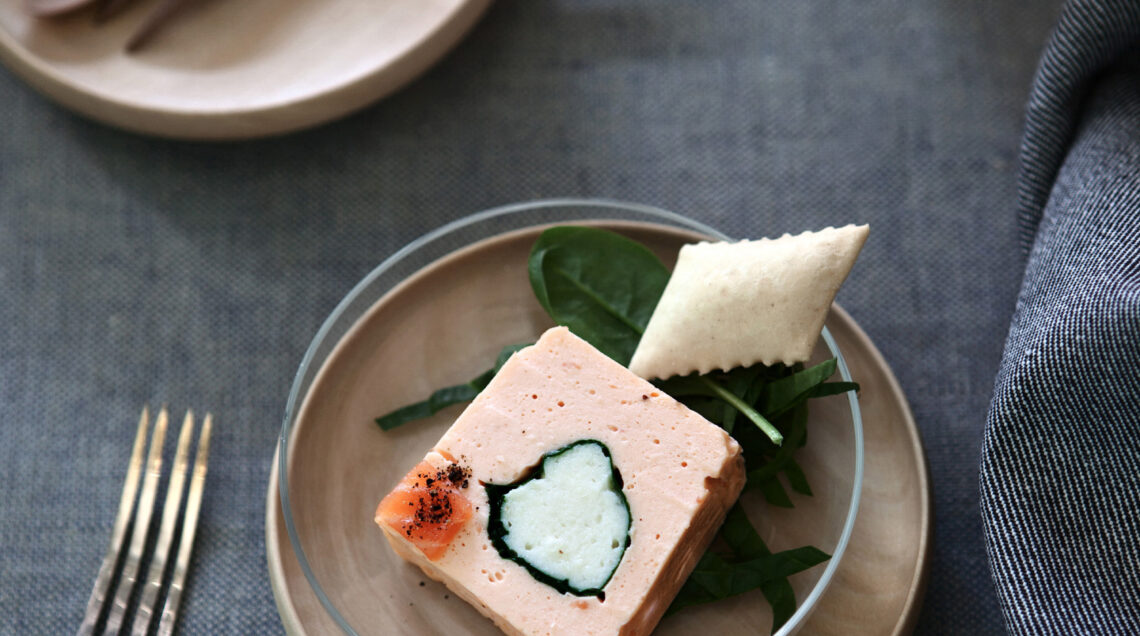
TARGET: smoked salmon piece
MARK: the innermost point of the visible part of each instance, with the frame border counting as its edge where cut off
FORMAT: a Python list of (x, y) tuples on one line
[(428, 507)]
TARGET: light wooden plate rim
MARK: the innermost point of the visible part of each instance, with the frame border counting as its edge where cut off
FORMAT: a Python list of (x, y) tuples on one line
[(250, 118), (857, 348), (869, 353)]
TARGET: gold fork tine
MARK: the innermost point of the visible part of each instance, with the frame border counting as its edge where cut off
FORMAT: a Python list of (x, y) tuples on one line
[(118, 530), (189, 527), (170, 509), (143, 514)]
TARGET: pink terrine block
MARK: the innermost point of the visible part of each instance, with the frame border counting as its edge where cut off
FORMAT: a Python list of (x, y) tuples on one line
[(679, 475)]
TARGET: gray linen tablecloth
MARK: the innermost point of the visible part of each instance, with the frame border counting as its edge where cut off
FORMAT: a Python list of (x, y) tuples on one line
[(136, 270)]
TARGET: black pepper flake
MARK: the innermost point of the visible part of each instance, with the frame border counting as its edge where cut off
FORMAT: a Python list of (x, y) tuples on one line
[(458, 475), (436, 508)]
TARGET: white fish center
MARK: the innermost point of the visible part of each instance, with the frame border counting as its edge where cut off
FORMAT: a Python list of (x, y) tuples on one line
[(570, 523)]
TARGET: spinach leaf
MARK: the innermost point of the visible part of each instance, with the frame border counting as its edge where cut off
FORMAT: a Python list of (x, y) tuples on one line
[(447, 396), (684, 386), (796, 430), (832, 388), (797, 479), (733, 401), (743, 539), (722, 578), (730, 392), (773, 492), (601, 285), (782, 597), (747, 565), (739, 382), (740, 535), (692, 592), (709, 408), (786, 393)]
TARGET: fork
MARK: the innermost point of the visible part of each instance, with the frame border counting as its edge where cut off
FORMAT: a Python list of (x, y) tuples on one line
[(136, 530)]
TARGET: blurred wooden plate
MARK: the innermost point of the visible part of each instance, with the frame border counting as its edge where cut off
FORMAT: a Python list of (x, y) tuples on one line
[(233, 69), (461, 312)]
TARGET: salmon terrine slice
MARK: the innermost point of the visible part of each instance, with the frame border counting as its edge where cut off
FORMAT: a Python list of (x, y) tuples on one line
[(570, 497)]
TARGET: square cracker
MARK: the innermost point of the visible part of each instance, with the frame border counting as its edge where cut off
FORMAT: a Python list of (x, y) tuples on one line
[(736, 304)]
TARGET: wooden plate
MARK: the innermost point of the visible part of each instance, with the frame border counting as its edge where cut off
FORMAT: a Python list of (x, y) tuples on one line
[(228, 69), (462, 312)]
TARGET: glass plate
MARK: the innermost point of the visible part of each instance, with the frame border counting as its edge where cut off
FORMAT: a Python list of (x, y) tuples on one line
[(435, 314)]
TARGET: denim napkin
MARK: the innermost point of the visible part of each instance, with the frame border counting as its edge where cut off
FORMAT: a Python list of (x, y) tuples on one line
[(1060, 468)]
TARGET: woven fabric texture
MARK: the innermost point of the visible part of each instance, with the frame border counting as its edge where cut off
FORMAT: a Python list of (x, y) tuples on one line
[(138, 270), (1061, 462), (1089, 37)]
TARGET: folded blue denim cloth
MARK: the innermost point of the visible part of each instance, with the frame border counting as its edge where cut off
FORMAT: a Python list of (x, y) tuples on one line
[(1060, 469)]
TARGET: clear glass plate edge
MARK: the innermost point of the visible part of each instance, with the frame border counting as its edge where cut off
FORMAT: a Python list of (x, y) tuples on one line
[(305, 371), (808, 604)]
